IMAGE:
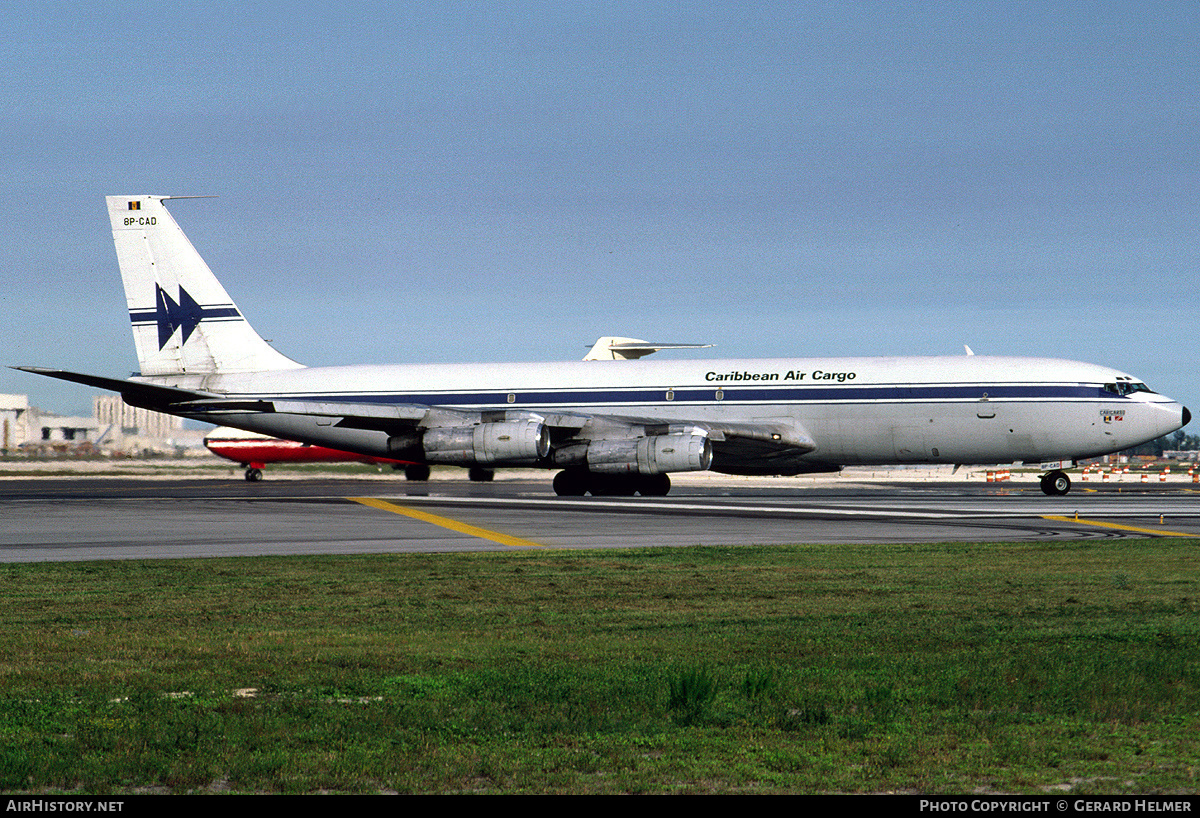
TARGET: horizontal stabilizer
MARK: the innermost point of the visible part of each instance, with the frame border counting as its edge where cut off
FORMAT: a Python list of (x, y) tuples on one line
[(613, 348), (135, 393)]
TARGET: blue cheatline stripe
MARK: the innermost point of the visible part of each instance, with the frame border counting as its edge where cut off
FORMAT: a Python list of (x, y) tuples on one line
[(657, 395), (151, 316)]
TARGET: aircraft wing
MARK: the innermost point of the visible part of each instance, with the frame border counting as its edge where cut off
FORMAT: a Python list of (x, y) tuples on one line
[(765, 435), (571, 438), (776, 442)]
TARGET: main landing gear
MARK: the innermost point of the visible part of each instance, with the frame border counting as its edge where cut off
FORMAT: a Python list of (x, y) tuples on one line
[(419, 472), (578, 482), (1056, 483)]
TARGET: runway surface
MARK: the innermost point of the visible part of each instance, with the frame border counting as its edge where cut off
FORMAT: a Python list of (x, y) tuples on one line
[(82, 518)]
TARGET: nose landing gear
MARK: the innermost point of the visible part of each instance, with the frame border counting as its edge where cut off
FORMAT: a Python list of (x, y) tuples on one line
[(1056, 483)]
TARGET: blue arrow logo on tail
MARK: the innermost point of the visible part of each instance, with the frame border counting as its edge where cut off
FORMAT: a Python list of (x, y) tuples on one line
[(185, 314)]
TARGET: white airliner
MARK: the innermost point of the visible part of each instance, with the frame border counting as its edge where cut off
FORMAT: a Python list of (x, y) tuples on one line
[(616, 426)]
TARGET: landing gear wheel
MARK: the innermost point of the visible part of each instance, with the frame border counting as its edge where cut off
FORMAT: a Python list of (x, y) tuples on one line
[(254, 475), (1056, 483), (571, 483), (612, 485), (654, 485), (417, 472), (480, 475)]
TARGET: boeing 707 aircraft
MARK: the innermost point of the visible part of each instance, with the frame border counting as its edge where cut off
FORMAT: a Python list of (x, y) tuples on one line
[(616, 426)]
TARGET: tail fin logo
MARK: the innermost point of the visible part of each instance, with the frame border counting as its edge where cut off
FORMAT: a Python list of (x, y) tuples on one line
[(183, 315)]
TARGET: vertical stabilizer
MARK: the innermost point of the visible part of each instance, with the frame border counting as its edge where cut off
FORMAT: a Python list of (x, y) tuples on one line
[(183, 320)]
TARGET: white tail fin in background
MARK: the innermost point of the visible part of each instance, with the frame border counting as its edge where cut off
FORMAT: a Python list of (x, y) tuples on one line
[(183, 320)]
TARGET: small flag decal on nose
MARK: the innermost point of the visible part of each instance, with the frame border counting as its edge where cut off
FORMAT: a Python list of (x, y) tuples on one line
[(135, 205)]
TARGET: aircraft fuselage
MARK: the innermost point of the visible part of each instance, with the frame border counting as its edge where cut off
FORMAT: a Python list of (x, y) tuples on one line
[(859, 411)]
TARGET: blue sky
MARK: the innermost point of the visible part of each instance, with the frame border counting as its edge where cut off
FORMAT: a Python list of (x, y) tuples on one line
[(461, 182)]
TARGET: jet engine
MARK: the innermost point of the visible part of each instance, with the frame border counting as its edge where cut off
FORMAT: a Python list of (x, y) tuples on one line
[(655, 454), (510, 442)]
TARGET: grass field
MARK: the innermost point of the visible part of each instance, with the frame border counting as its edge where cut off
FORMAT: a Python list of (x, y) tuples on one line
[(1056, 667)]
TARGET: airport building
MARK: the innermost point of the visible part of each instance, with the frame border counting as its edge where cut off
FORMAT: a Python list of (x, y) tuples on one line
[(115, 427), (117, 420), (1182, 455), (26, 428), (14, 416)]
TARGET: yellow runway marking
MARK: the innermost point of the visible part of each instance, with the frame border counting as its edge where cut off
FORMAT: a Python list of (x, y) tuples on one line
[(446, 522), (1158, 531)]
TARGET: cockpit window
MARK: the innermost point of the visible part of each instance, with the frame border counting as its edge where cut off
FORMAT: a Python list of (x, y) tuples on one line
[(1127, 387)]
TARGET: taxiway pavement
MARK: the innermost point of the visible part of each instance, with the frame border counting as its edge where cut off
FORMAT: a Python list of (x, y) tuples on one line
[(104, 518)]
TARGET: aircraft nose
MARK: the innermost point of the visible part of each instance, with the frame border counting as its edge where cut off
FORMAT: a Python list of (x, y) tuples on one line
[(1187, 416)]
